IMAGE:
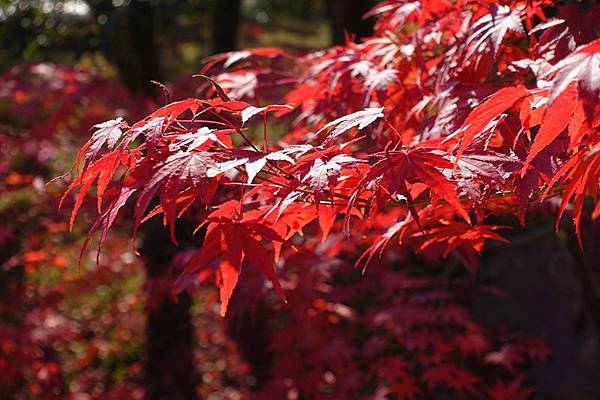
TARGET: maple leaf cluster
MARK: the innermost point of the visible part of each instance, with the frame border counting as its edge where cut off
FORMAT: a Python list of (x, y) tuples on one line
[(453, 112), (437, 115), (386, 333)]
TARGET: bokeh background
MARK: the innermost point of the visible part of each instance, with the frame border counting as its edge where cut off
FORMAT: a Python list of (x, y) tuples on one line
[(137, 41)]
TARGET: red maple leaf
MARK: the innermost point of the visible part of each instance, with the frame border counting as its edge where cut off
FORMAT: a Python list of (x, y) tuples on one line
[(247, 245)]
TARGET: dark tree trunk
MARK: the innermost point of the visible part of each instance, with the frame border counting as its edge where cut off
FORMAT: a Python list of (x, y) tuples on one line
[(247, 324), (130, 42), (587, 267), (169, 370), (547, 287), (226, 21), (169, 334), (347, 16)]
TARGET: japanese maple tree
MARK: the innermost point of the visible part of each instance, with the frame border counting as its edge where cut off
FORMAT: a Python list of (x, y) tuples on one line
[(412, 141)]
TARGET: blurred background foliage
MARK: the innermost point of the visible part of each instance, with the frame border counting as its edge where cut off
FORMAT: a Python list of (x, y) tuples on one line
[(139, 40)]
